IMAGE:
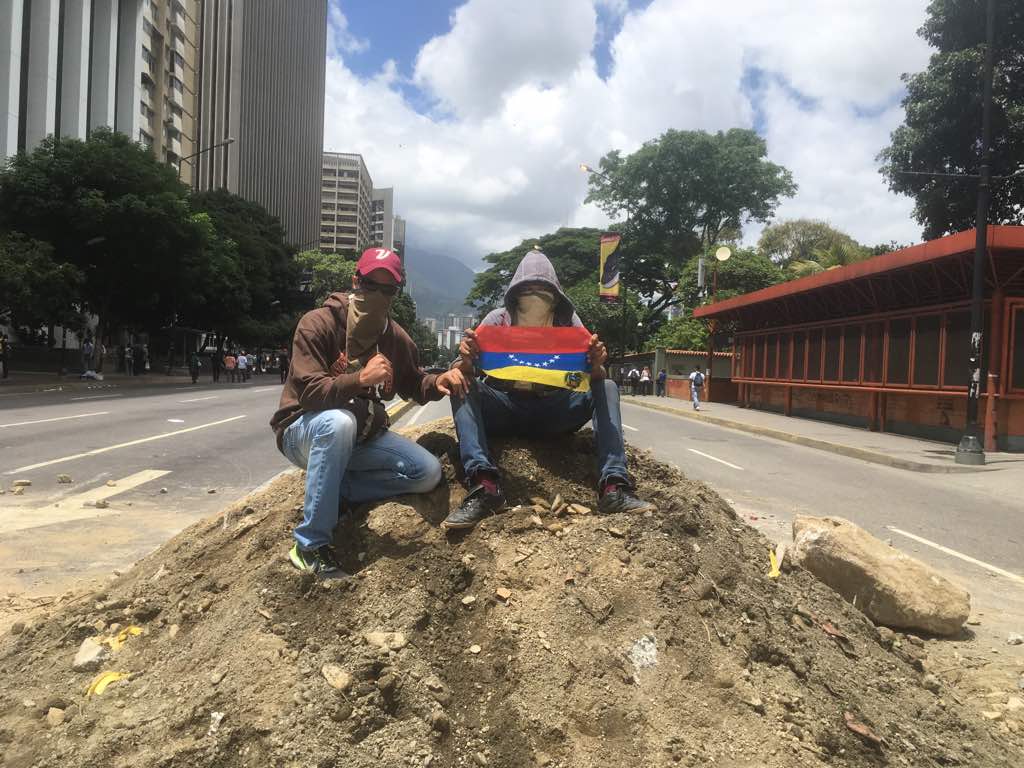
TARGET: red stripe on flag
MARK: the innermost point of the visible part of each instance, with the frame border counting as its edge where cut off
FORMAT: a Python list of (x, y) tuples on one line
[(508, 338)]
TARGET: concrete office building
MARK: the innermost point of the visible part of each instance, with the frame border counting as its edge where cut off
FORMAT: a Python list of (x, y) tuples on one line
[(398, 243), (346, 203), (382, 232), (70, 66), (261, 82)]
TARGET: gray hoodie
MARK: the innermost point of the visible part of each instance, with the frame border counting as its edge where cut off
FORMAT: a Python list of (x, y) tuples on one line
[(534, 268)]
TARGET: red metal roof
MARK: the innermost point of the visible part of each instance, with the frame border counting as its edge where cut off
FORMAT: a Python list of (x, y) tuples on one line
[(1000, 238)]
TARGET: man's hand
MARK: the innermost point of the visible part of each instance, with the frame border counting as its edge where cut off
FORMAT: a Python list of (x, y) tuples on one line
[(452, 383), (469, 348), (598, 355), (377, 371), (340, 365)]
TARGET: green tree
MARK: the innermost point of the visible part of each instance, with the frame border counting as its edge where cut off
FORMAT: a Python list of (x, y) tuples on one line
[(683, 332), (746, 271), (325, 273), (942, 128), (800, 240), (110, 209), (36, 290), (683, 192)]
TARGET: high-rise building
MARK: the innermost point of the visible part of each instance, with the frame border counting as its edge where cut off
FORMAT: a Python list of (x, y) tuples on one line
[(262, 65), (382, 234), (398, 245), (346, 203), (70, 66)]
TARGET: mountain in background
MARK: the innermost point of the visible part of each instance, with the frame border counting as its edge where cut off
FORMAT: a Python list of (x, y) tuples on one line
[(438, 284)]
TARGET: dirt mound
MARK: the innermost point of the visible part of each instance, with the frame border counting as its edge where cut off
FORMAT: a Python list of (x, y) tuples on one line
[(577, 640)]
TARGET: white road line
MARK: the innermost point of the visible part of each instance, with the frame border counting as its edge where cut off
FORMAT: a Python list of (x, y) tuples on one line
[(58, 418), (199, 399), (713, 458), (96, 451), (962, 556), (632, 428), (73, 507), (416, 416), (96, 397), (263, 389)]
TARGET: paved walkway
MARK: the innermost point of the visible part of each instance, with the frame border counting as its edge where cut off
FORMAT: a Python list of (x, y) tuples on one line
[(20, 382), (877, 447)]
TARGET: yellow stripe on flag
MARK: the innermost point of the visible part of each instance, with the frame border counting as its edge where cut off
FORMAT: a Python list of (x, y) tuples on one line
[(539, 376)]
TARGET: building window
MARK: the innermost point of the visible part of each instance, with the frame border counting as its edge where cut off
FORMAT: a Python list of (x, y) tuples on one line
[(832, 336), (851, 353), (958, 339), (799, 355), (926, 350), (814, 355), (874, 347), (899, 351)]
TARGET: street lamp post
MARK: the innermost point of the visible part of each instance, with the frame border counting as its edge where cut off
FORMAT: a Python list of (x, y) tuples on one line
[(622, 283), (224, 143), (721, 255)]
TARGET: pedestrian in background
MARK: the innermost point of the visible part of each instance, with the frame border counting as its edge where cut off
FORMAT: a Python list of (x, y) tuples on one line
[(696, 385), (230, 361), (645, 381), (215, 364), (5, 354), (282, 364), (242, 361), (661, 382), (129, 360), (87, 350), (634, 380), (193, 366)]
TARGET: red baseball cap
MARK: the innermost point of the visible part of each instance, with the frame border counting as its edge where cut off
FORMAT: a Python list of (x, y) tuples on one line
[(380, 258)]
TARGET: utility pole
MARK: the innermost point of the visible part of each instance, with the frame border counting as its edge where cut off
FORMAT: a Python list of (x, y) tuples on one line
[(970, 449)]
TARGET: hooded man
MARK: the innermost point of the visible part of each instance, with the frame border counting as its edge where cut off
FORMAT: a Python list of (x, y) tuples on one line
[(348, 358), (494, 407)]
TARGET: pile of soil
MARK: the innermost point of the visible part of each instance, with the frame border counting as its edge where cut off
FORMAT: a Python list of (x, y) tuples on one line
[(536, 639)]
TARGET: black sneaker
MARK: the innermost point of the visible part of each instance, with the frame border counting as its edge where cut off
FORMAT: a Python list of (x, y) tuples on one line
[(474, 508), (321, 562), (620, 498)]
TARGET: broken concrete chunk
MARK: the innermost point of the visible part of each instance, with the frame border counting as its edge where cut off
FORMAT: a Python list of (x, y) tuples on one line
[(503, 594), (336, 677), (54, 717), (64, 479), (90, 655), (1015, 639), (21, 484), (390, 641), (890, 587)]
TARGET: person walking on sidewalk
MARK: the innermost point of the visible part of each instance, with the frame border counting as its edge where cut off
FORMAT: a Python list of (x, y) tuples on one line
[(660, 382), (87, 350), (243, 367), (215, 365), (645, 381), (282, 364), (348, 358), (696, 385), (229, 365), (5, 354)]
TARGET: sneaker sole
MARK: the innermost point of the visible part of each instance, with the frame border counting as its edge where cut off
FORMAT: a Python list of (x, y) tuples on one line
[(446, 526)]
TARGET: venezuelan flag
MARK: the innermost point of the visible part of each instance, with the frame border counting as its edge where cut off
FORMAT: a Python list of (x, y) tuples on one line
[(556, 357)]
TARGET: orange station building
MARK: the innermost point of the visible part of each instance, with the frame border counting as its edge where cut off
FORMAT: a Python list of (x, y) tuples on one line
[(884, 343)]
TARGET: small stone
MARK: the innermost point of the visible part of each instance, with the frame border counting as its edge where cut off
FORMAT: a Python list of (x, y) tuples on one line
[(503, 594), (211, 490), (474, 649), (915, 640), (886, 635), (1014, 704), (111, 484), (336, 677), (537, 522), (756, 704), (17, 627), (90, 655), (64, 479), (992, 715), (216, 677), (557, 501), (163, 490), (440, 722), (723, 680), (173, 630), (54, 717), (101, 504), (19, 491), (386, 684), (342, 712), (1015, 638), (931, 683), (21, 484), (389, 641), (618, 533), (974, 622), (480, 759), (623, 556), (468, 600)]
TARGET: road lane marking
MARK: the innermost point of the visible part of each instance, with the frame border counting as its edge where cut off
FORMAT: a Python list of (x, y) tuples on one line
[(416, 416), (96, 397), (713, 458), (176, 421), (961, 555), (198, 399), (130, 443), (264, 389), (58, 418), (632, 428), (72, 507)]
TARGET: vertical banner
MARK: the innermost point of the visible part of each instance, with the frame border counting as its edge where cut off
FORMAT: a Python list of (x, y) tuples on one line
[(608, 280)]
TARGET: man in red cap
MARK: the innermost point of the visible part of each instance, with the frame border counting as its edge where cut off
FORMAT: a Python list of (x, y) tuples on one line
[(348, 358)]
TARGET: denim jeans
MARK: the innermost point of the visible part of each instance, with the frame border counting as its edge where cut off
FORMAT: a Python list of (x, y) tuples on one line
[(486, 411), (695, 395), (324, 444)]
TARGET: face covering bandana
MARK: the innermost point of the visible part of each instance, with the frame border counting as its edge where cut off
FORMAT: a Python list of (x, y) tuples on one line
[(367, 319), (535, 308)]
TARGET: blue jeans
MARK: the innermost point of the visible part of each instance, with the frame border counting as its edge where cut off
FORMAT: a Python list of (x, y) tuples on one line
[(324, 444), (486, 411), (695, 396)]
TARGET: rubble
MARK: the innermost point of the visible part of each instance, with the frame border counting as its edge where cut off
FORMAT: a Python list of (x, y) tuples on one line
[(665, 646), (889, 586)]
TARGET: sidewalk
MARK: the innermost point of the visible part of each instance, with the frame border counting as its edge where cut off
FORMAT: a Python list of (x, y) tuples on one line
[(891, 450), (27, 382)]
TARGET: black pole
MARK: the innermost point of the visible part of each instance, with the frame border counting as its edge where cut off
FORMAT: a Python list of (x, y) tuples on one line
[(970, 450)]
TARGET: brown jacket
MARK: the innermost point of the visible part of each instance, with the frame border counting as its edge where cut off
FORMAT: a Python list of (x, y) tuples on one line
[(319, 340)]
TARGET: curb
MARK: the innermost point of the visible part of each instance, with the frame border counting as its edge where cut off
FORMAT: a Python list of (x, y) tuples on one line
[(396, 412), (850, 451)]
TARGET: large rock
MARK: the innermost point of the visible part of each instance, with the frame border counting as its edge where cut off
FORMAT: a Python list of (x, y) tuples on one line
[(891, 588)]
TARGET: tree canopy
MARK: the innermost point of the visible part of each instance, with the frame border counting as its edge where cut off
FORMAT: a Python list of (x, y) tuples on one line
[(35, 289), (942, 128), (807, 246)]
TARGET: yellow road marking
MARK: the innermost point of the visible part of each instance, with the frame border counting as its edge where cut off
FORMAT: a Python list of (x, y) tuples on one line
[(72, 507)]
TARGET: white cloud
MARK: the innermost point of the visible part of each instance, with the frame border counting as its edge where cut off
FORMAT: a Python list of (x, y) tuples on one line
[(340, 39), (519, 105)]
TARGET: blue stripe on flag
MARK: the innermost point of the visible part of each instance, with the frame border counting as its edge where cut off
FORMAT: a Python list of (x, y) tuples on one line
[(557, 361)]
